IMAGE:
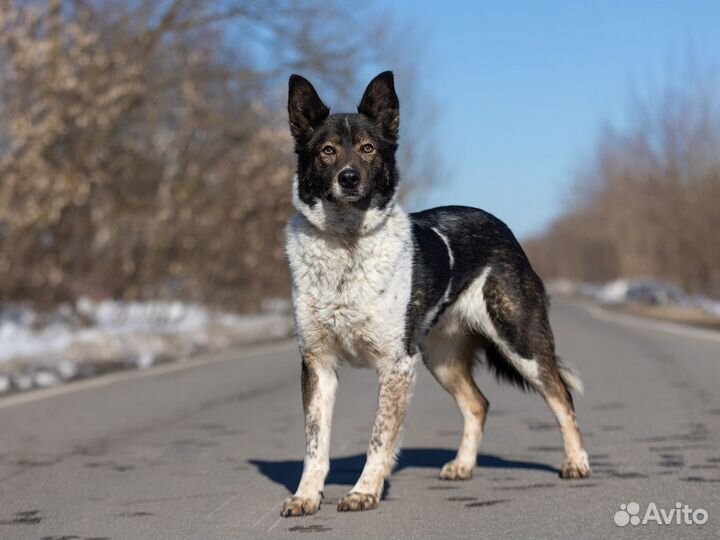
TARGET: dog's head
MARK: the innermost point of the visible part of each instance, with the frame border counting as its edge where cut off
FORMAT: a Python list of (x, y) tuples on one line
[(346, 162)]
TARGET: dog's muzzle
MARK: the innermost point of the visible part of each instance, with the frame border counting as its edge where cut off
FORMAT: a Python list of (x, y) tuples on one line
[(348, 186)]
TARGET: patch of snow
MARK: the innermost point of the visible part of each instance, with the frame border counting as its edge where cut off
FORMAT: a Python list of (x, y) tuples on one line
[(22, 381), (640, 290), (66, 369), (145, 360), (19, 337), (647, 291), (614, 292), (562, 286), (45, 379), (708, 305), (96, 336)]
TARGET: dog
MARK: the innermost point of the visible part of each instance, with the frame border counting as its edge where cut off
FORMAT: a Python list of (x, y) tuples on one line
[(377, 287)]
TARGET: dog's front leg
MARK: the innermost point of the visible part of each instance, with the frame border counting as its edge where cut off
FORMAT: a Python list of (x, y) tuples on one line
[(395, 387), (319, 383)]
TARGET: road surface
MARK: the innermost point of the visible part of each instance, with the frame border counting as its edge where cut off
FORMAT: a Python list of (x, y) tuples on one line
[(208, 450)]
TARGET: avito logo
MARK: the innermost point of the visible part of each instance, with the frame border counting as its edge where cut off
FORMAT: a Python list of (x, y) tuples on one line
[(680, 514)]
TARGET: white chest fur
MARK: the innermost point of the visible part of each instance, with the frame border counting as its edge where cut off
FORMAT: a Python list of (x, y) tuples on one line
[(350, 296)]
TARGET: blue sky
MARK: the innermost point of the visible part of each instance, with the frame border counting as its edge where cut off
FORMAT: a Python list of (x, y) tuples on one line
[(524, 87)]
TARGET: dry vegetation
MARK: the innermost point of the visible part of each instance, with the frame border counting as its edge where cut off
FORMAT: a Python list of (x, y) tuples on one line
[(143, 144), (647, 204)]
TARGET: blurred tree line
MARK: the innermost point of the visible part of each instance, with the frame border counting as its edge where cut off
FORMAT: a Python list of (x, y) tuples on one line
[(144, 148), (648, 201)]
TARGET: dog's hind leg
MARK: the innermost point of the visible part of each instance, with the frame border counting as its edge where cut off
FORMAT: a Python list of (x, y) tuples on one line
[(557, 395), (396, 380), (319, 384), (450, 359), (524, 353)]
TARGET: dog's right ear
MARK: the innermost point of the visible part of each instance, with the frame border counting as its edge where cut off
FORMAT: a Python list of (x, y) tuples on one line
[(305, 108)]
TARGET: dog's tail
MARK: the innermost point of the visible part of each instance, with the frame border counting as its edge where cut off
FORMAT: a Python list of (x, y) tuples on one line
[(570, 377)]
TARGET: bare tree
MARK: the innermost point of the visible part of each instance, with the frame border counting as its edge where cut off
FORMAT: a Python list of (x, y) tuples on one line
[(143, 145), (645, 204)]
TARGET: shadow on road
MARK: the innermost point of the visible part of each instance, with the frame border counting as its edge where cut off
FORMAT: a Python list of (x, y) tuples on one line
[(346, 470)]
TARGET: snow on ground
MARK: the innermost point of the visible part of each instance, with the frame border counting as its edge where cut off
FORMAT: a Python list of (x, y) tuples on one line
[(92, 337), (643, 291), (646, 291)]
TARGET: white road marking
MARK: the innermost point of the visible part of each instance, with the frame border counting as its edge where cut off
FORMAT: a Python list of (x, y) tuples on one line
[(650, 324), (266, 514), (107, 380), (222, 505)]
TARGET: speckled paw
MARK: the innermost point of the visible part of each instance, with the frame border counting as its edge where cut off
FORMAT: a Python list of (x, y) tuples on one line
[(456, 471), (299, 506), (353, 502), (575, 468)]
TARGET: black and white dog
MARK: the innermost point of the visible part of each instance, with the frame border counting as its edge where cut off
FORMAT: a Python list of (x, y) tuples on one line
[(377, 287)]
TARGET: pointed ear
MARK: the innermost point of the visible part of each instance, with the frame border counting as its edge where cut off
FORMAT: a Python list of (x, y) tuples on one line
[(380, 102), (305, 108)]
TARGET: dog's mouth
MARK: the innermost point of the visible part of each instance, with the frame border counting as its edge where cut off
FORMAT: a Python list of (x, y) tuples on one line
[(346, 195), (355, 199), (349, 197)]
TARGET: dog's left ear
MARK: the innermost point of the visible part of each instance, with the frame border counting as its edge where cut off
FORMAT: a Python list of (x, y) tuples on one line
[(380, 103)]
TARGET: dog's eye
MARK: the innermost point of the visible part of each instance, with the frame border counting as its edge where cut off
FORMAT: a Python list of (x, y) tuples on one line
[(328, 150), (367, 148)]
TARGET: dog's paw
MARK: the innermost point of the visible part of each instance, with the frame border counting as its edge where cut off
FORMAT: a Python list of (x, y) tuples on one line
[(575, 467), (353, 501), (300, 506), (456, 471)]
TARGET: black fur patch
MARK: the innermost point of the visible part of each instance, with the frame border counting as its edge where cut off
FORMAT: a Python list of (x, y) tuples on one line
[(430, 278), (515, 296)]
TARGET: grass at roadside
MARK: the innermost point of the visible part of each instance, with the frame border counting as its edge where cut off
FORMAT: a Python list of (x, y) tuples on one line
[(688, 316)]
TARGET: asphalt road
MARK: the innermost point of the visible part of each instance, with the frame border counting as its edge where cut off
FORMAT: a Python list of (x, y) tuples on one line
[(209, 450)]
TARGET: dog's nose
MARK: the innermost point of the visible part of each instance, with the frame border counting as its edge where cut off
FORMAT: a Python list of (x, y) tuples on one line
[(349, 179)]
